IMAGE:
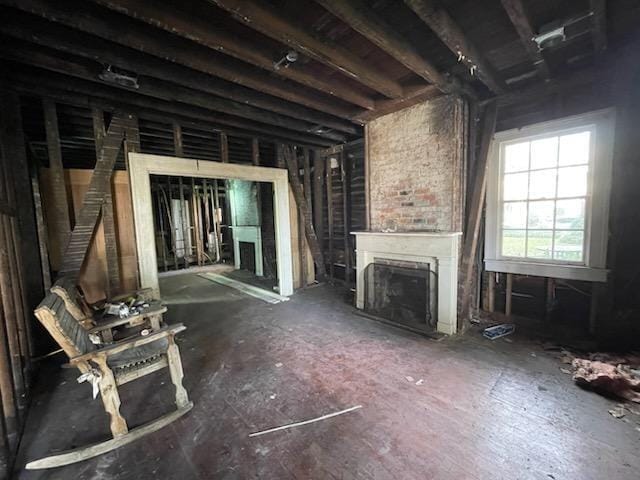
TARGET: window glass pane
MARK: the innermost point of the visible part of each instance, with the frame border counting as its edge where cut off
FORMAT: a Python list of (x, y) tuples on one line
[(514, 215), (572, 181), (541, 214), (515, 186), (539, 243), (543, 184), (570, 214), (574, 148), (568, 246), (544, 153), (513, 243), (516, 157)]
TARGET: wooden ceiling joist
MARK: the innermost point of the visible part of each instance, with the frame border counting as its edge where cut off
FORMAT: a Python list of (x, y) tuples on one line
[(520, 20), (27, 79), (102, 51), (260, 17), (159, 89), (117, 29), (359, 16), (448, 30), (166, 16)]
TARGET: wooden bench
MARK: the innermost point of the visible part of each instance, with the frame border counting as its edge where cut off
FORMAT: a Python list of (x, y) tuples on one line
[(111, 366)]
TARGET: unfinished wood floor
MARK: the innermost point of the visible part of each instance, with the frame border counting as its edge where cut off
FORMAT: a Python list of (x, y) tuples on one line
[(485, 410)]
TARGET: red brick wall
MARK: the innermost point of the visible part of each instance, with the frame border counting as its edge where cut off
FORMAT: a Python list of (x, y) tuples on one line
[(416, 167)]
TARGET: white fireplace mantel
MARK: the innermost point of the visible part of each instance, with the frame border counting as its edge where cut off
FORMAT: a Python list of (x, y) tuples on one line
[(439, 249)]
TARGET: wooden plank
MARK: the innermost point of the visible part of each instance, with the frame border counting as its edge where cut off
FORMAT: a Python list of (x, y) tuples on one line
[(474, 217), (224, 148), (108, 221), (363, 19), (173, 19), (329, 185), (82, 233), (517, 13), (448, 30), (269, 22), (318, 196), (255, 151), (60, 208), (178, 147), (305, 209), (43, 242), (32, 29), (345, 170)]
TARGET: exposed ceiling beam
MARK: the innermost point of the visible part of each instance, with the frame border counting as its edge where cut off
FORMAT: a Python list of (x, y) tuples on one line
[(118, 29), (36, 56), (599, 31), (448, 30), (172, 19), (518, 15), (359, 16), (260, 17), (23, 76), (72, 42)]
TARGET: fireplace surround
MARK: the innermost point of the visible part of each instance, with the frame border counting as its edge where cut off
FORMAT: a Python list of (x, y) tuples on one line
[(440, 250)]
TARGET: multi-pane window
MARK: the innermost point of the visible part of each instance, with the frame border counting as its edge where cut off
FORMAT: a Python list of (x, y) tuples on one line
[(545, 196)]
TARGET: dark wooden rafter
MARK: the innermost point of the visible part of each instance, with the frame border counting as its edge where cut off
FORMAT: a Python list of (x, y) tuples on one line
[(267, 21), (80, 238), (520, 20), (60, 207), (448, 30), (288, 154), (363, 19), (174, 49), (163, 90), (32, 29), (167, 17), (108, 221), (69, 89), (599, 21), (474, 214)]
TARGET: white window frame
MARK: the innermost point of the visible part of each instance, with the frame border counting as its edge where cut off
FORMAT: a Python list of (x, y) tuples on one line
[(593, 266)]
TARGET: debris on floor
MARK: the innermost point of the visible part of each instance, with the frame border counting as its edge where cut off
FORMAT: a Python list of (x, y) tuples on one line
[(619, 380), (420, 382), (498, 331), (410, 379)]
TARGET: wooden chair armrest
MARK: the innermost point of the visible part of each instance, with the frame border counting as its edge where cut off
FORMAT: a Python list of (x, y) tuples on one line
[(131, 342), (117, 321)]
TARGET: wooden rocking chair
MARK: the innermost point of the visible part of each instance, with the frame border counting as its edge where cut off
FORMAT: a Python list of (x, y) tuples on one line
[(110, 367), (90, 319)]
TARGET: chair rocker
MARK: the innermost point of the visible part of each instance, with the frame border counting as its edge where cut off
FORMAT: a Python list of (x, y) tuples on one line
[(112, 366)]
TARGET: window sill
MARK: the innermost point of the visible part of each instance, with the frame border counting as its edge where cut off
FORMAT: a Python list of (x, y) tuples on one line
[(551, 270)]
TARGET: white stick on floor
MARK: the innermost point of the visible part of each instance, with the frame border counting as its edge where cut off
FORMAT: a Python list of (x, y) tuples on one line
[(291, 425)]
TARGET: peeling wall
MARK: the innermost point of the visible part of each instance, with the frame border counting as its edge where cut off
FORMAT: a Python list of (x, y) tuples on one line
[(416, 167)]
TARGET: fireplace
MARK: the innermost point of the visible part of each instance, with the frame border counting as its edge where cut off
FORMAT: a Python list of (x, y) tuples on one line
[(400, 292), (433, 259)]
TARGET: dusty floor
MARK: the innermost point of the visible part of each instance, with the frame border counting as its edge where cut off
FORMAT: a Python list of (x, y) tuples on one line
[(484, 410)]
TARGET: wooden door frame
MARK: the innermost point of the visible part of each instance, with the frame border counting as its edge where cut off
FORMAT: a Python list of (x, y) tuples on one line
[(141, 166)]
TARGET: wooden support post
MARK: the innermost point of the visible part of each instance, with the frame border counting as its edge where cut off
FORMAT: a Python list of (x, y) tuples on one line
[(224, 148), (183, 218), (329, 184), (43, 242), (255, 151), (302, 248), (306, 181), (172, 223), (163, 238), (474, 217), (207, 213), (197, 221), (318, 196), (108, 222), (345, 169), (178, 147), (508, 294), (280, 162), (60, 207), (298, 193), (492, 292)]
